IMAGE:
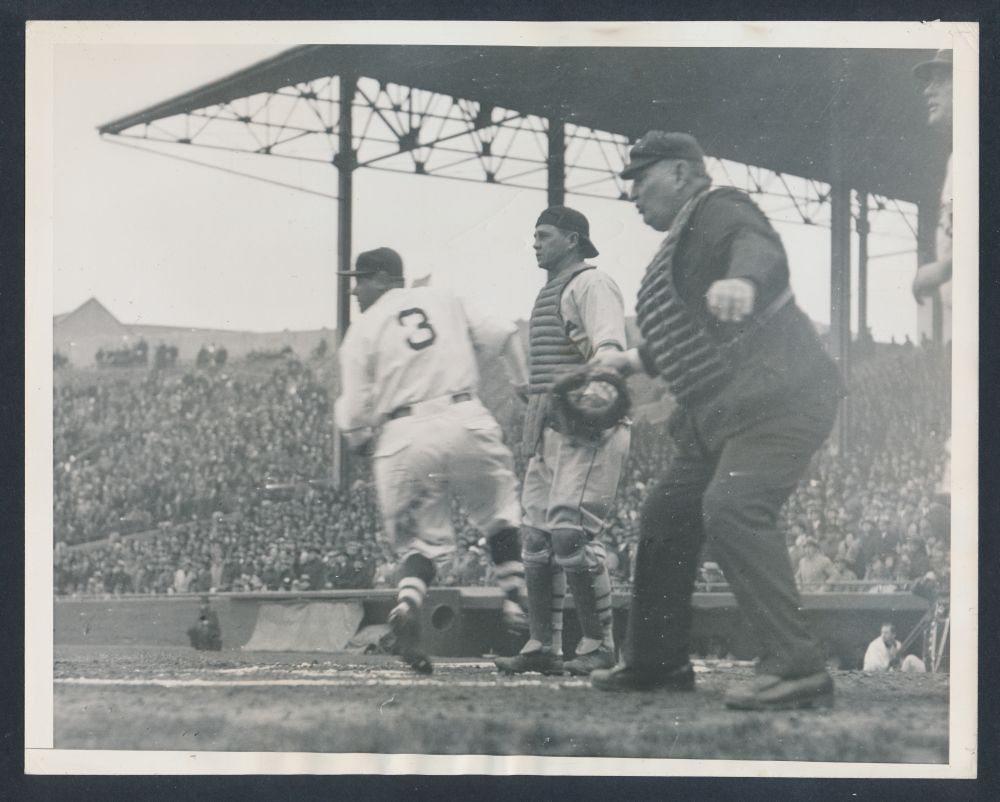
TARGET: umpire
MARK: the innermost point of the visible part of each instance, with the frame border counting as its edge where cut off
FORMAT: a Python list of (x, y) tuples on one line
[(756, 397)]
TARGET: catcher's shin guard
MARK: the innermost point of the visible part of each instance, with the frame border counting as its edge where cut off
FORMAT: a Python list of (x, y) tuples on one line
[(575, 555), (538, 569), (603, 602), (558, 602)]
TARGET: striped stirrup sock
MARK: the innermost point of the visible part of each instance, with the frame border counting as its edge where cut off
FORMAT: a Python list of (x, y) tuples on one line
[(411, 591), (510, 579)]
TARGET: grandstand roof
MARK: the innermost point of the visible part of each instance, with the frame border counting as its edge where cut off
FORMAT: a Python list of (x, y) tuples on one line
[(786, 109)]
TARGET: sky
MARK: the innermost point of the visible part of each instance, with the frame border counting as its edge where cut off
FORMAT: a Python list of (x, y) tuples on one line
[(159, 241)]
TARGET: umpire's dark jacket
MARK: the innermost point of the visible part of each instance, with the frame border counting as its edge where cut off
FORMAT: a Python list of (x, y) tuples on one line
[(781, 365)]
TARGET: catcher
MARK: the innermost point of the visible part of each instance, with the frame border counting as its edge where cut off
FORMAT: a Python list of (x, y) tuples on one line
[(577, 436)]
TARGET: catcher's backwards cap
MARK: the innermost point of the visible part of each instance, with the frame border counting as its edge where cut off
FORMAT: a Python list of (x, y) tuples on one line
[(570, 220), (380, 260)]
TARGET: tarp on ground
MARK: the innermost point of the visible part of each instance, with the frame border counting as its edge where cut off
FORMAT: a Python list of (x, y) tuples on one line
[(370, 640), (305, 626)]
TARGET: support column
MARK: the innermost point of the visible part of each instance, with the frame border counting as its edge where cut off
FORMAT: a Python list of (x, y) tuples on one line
[(840, 295), (863, 229), (557, 163), (344, 161), (840, 242)]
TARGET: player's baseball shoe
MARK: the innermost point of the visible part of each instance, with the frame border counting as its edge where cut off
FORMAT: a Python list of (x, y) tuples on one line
[(541, 661), (768, 692), (515, 620), (404, 623), (581, 665), (625, 678)]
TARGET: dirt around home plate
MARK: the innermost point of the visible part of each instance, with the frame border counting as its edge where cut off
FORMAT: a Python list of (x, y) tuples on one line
[(176, 699)]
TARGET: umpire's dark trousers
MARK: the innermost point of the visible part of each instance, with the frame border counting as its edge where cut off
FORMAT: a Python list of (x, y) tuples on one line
[(732, 494)]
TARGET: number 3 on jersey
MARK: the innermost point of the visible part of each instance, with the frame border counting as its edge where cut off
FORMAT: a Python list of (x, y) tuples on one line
[(422, 333)]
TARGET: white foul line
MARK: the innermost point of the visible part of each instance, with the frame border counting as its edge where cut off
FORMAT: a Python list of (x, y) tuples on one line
[(408, 681)]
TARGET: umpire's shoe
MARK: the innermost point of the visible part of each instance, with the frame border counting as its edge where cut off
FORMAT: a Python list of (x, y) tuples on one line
[(544, 662), (404, 623), (768, 692), (626, 678), (583, 664)]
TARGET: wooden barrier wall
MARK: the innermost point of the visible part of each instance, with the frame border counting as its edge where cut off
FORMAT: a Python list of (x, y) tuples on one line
[(466, 621)]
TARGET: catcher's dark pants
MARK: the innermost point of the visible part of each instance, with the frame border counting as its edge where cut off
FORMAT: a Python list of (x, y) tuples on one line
[(733, 496)]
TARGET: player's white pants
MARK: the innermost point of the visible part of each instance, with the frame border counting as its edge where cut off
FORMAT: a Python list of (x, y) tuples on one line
[(571, 483), (444, 448)]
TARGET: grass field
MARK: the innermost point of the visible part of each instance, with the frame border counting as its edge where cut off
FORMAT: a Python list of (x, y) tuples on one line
[(179, 699)]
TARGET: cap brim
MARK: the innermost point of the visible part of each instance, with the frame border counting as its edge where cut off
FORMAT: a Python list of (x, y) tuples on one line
[(638, 165), (587, 249), (926, 69)]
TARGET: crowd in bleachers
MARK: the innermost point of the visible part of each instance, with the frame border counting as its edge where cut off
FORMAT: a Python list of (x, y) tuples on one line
[(231, 472), (872, 514), (126, 357), (173, 447)]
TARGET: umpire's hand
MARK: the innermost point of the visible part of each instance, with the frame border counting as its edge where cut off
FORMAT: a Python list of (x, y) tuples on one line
[(731, 299)]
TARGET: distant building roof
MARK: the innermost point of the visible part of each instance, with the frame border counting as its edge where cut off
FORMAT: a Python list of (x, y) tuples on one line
[(90, 317)]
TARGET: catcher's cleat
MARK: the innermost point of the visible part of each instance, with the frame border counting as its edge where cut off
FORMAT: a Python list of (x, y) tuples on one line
[(768, 692), (515, 620), (583, 664), (541, 662), (404, 623), (625, 678)]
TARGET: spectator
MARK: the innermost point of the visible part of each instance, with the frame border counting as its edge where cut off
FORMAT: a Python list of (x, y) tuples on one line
[(849, 551), (842, 572), (183, 577), (883, 652), (313, 568), (814, 567), (206, 634)]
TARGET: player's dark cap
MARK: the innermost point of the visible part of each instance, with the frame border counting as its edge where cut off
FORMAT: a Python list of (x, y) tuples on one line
[(570, 220), (941, 63), (380, 260), (656, 146)]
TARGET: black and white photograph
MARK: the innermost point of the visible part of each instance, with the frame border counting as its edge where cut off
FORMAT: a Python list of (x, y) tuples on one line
[(502, 398)]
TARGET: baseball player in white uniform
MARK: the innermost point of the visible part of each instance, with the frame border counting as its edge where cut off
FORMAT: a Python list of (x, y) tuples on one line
[(409, 378), (572, 478)]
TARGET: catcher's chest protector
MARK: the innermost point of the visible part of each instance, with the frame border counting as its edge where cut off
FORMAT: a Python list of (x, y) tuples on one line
[(550, 352)]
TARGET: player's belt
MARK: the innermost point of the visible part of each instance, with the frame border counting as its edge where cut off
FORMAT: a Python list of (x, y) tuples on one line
[(406, 411)]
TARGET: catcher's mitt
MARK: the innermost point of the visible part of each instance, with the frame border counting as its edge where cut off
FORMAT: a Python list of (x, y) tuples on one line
[(591, 400)]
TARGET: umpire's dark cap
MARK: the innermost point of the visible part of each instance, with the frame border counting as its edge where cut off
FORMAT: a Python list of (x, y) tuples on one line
[(657, 146), (570, 220), (380, 260), (941, 63)]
